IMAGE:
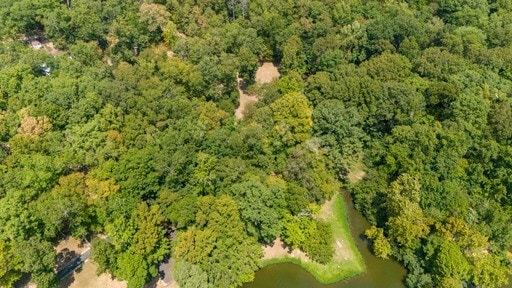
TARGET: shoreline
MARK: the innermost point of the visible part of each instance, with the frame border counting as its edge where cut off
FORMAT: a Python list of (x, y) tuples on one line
[(347, 262)]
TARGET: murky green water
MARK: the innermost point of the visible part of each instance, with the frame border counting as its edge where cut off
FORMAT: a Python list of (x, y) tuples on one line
[(379, 273)]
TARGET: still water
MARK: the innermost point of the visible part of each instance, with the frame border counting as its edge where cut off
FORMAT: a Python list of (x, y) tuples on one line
[(379, 273)]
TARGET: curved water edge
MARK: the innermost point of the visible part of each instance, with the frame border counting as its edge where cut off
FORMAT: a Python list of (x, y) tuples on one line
[(379, 272)]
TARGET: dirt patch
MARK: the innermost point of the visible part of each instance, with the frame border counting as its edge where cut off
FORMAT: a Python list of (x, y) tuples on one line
[(266, 73), (181, 35), (40, 42), (326, 212), (69, 249), (50, 48), (85, 277), (72, 244), (159, 283), (279, 249), (355, 176)]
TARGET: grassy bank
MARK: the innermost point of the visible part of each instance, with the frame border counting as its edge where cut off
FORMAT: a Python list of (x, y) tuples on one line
[(347, 261)]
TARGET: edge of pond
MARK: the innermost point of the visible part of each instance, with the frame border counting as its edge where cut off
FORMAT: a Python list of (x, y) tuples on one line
[(333, 271)]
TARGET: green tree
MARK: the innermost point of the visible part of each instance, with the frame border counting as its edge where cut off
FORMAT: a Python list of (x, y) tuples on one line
[(292, 119), (103, 254), (293, 232), (219, 244), (10, 265), (407, 224), (450, 263), (294, 58), (64, 209), (138, 173), (488, 271), (306, 167), (500, 119), (188, 275), (134, 268), (340, 129), (313, 236), (381, 246), (260, 208), (37, 258)]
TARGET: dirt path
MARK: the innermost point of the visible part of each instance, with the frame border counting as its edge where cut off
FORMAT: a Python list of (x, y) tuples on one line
[(245, 99)]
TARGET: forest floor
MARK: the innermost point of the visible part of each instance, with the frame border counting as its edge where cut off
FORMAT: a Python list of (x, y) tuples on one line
[(346, 262), (265, 74)]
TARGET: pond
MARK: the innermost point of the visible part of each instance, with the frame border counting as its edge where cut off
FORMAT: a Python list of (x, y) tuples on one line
[(379, 273)]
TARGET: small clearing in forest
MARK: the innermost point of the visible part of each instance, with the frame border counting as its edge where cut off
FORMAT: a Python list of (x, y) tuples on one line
[(265, 74), (50, 48), (85, 277), (41, 43), (356, 173)]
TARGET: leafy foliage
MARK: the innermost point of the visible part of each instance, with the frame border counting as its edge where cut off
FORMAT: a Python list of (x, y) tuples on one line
[(116, 117)]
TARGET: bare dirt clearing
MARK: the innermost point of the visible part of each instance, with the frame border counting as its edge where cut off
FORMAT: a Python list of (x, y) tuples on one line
[(355, 176), (86, 277), (50, 48), (280, 249), (265, 74)]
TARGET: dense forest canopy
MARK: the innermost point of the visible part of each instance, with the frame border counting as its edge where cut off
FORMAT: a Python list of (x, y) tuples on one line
[(122, 123)]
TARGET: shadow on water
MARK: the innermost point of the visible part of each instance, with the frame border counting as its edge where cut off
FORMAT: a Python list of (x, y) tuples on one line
[(379, 273)]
